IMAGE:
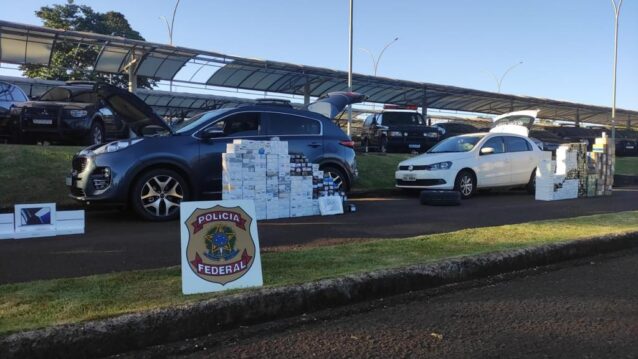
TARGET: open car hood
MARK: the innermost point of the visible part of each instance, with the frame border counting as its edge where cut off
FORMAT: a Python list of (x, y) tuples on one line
[(331, 104), (519, 122), (130, 108)]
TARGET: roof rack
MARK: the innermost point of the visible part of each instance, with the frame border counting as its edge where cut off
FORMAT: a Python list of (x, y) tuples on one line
[(273, 102)]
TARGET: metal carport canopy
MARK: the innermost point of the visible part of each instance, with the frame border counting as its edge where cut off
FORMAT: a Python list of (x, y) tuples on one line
[(29, 44)]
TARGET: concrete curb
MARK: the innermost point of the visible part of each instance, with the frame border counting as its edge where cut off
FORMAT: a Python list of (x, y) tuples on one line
[(135, 331)]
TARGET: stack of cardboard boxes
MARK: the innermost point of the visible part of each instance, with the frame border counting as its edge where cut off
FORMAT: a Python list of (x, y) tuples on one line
[(603, 160), (576, 173), (280, 184)]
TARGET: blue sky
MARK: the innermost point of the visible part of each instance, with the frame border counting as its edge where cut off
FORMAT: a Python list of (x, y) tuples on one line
[(566, 45)]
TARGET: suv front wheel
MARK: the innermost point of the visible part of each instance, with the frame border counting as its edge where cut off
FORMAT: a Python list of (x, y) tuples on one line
[(338, 177), (158, 193)]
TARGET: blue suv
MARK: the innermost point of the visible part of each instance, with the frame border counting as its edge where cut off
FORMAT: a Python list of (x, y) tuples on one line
[(162, 166)]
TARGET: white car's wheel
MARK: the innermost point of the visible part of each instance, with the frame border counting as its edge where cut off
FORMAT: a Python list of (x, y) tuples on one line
[(465, 183)]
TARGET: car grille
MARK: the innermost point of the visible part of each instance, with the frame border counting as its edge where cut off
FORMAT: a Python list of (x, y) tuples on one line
[(78, 192), (414, 168), (44, 112), (79, 164), (421, 182), (33, 114)]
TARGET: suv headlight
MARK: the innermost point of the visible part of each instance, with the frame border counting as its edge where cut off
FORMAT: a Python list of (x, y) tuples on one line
[(395, 134), (78, 113), (116, 146), (440, 166), (431, 134)]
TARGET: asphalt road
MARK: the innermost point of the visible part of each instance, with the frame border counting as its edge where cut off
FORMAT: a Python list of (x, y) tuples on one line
[(580, 309), (118, 241)]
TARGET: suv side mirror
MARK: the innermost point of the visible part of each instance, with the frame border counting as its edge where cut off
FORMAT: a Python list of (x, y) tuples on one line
[(487, 151), (211, 133)]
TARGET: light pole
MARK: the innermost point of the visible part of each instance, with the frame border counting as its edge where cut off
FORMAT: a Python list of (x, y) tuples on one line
[(350, 67), (613, 105), (375, 61), (170, 33), (500, 81), (170, 26)]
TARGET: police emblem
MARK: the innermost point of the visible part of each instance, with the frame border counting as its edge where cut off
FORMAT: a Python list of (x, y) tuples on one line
[(220, 246)]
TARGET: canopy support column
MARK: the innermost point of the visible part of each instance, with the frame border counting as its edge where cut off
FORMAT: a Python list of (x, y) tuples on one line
[(577, 117), (306, 93), (424, 107), (628, 121)]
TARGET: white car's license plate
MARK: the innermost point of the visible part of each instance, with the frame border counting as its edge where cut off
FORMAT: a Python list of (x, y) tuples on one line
[(39, 121), (409, 177), (68, 181), (414, 146)]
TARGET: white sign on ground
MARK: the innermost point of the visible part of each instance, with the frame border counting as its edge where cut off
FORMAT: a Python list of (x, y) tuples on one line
[(220, 246), (40, 220), (34, 220)]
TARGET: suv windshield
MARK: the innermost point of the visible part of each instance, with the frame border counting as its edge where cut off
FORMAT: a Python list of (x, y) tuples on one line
[(201, 118), (456, 144), (69, 94), (402, 118)]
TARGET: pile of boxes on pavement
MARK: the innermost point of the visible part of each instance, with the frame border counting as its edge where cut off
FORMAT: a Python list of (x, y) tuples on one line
[(603, 159), (282, 185), (575, 172)]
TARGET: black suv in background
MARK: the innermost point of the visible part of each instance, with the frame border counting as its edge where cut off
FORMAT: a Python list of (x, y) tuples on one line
[(451, 129), (154, 173), (10, 97), (398, 130), (72, 113)]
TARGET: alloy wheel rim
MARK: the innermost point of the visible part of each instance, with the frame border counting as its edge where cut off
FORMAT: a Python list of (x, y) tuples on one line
[(466, 185), (97, 136), (161, 195), (338, 181)]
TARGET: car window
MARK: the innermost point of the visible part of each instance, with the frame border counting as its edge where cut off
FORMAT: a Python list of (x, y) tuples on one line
[(496, 143), (516, 144), (456, 144), (285, 124), (368, 121), (402, 118), (240, 124), (69, 94), (5, 94), (18, 95)]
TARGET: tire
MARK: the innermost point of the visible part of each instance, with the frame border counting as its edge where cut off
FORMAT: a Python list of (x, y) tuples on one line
[(440, 198), (96, 134), (157, 195), (338, 177), (383, 144), (465, 184), (531, 185)]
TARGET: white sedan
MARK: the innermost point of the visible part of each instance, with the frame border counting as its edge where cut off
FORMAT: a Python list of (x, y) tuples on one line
[(479, 160)]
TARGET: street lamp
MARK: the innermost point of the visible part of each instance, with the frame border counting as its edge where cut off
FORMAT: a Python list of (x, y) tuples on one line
[(170, 29), (500, 81), (613, 105), (375, 61), (172, 24), (350, 67)]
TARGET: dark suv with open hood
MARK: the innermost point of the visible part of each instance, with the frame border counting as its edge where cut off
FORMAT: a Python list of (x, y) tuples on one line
[(164, 165), (72, 113), (398, 130)]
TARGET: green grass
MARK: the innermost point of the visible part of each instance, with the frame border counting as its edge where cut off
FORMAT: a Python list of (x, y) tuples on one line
[(31, 174), (376, 170), (43, 303), (627, 166), (40, 172)]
